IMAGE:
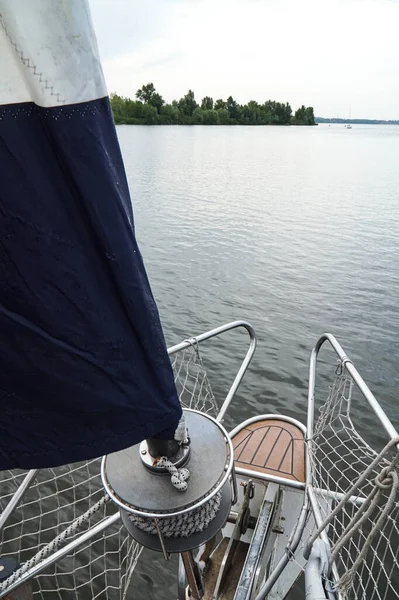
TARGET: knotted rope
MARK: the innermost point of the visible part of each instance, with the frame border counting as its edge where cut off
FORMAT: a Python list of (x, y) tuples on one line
[(178, 476)]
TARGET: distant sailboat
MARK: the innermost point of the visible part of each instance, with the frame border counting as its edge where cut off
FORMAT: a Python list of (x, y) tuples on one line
[(348, 125)]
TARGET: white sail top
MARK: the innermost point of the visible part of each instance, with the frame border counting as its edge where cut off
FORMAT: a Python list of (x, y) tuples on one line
[(48, 53)]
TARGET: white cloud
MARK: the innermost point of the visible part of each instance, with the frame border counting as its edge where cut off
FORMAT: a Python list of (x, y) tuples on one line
[(331, 54)]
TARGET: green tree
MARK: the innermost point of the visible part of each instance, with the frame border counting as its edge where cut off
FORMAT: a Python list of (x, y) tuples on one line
[(310, 116), (133, 110), (301, 116), (210, 117), (233, 109), (251, 113), (157, 102), (198, 116), (187, 104), (149, 95), (288, 113), (223, 115), (220, 104), (150, 114), (145, 93), (137, 112), (207, 103), (169, 114), (118, 106)]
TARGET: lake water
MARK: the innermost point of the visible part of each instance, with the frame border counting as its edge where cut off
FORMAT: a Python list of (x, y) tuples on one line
[(293, 229)]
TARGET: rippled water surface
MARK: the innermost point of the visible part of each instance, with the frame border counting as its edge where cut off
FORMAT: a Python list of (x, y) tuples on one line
[(293, 229)]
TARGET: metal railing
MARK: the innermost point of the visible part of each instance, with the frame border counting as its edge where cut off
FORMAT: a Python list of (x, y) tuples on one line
[(244, 365), (314, 492), (363, 388), (310, 500), (357, 378)]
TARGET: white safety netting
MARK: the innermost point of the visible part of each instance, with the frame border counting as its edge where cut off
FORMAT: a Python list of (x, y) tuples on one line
[(348, 467), (192, 381), (102, 567), (71, 499)]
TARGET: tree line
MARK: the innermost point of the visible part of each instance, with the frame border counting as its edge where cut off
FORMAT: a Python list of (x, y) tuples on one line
[(149, 108)]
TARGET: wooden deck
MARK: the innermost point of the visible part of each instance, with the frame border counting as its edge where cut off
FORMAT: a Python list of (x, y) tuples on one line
[(271, 446)]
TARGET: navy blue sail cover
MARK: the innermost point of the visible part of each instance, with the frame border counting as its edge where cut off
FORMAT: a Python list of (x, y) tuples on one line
[(84, 369)]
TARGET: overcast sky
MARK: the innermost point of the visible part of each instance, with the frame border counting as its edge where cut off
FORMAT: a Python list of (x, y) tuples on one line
[(335, 55)]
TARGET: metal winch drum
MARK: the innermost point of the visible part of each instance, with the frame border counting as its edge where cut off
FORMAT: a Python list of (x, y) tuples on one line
[(155, 513)]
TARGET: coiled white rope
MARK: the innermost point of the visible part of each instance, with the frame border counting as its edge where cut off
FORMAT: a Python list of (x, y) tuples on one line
[(183, 525)]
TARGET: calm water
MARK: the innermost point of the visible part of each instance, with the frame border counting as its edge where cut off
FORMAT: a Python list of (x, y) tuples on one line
[(293, 229)]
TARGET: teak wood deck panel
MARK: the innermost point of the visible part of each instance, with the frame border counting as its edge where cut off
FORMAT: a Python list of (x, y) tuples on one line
[(271, 446)]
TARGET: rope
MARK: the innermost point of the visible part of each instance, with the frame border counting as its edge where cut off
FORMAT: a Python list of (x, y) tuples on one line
[(184, 525), (181, 433), (187, 523), (54, 544), (178, 476), (387, 479)]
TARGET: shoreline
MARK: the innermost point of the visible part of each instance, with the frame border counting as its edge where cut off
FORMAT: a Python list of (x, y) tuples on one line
[(218, 124)]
